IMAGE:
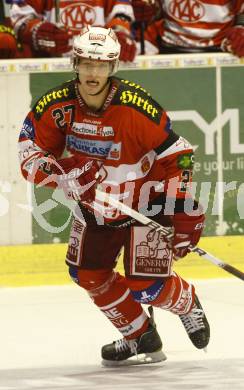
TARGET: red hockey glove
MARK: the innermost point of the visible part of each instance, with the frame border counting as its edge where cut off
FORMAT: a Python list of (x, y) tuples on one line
[(144, 10), (51, 39), (187, 231), (78, 178), (234, 41), (128, 46)]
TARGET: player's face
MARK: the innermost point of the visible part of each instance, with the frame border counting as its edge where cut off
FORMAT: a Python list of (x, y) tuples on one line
[(93, 75)]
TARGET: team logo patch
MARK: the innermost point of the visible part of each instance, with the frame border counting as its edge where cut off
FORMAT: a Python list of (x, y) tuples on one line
[(145, 165), (115, 151), (189, 11), (76, 16), (185, 161)]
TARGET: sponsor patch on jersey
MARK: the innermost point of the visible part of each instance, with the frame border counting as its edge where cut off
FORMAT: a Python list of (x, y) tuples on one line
[(135, 86), (92, 129), (75, 247), (132, 99), (185, 161), (133, 95), (151, 255), (93, 148), (50, 98), (27, 131), (115, 151)]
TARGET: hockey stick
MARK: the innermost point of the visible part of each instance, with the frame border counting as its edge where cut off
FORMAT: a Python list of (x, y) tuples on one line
[(142, 39), (2, 16), (57, 12), (168, 232)]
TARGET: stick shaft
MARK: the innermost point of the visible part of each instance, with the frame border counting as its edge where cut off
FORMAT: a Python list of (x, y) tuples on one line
[(133, 213), (227, 267), (142, 38), (103, 197), (57, 11)]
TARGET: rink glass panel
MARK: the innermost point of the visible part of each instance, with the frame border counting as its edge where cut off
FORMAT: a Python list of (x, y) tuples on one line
[(189, 95)]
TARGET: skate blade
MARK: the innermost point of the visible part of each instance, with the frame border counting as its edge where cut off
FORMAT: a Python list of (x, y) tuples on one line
[(143, 358)]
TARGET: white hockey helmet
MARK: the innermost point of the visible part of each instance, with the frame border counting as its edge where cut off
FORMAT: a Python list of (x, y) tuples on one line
[(97, 43)]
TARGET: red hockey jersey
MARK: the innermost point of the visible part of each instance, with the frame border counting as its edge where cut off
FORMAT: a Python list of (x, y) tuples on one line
[(194, 23), (131, 135), (72, 14)]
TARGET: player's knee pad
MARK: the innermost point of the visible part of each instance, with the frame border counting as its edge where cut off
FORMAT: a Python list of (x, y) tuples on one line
[(172, 293), (94, 281)]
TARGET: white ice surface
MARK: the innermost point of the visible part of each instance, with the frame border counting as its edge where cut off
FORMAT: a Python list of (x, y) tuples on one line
[(50, 338)]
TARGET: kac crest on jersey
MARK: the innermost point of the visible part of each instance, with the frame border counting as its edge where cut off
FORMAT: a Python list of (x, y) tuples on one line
[(76, 16)]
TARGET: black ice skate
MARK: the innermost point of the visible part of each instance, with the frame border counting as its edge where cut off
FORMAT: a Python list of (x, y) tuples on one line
[(145, 349), (196, 325)]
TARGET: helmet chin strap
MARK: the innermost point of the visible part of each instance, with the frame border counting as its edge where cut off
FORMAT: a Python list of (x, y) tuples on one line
[(101, 90)]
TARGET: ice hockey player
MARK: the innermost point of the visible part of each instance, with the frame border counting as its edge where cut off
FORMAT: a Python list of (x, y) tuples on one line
[(121, 139), (48, 28), (193, 26)]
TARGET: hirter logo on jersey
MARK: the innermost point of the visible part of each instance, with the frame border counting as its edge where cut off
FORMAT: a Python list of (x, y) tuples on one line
[(50, 98), (78, 15), (189, 11), (143, 104)]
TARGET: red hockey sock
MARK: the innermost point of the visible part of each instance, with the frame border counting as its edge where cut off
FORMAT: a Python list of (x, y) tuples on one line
[(109, 292)]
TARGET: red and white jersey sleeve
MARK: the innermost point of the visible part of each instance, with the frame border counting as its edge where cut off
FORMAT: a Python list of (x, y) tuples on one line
[(42, 138), (195, 23), (73, 15)]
